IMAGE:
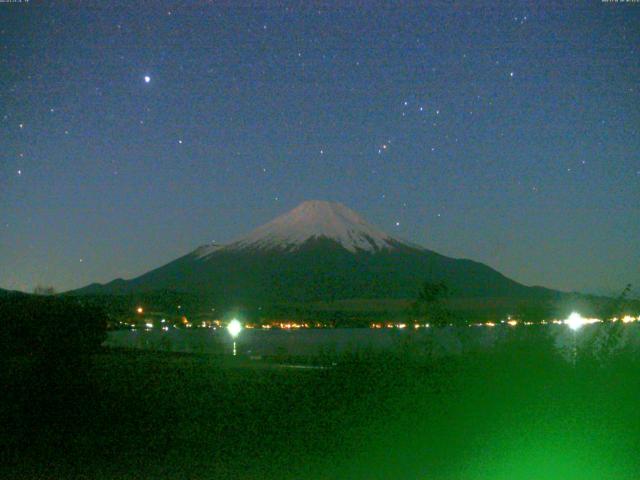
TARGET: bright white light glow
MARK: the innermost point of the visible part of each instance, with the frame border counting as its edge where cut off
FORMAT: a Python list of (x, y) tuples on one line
[(147, 79), (575, 321), (234, 328)]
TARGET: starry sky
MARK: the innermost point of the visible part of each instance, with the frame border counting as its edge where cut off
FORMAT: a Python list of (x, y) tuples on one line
[(506, 132)]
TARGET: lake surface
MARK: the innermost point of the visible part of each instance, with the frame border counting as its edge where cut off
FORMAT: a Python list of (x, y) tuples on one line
[(311, 342)]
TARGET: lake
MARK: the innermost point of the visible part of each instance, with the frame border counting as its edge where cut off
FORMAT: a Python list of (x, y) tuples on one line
[(312, 342)]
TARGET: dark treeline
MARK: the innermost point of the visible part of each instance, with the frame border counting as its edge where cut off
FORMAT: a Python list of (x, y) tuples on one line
[(46, 348), (49, 327)]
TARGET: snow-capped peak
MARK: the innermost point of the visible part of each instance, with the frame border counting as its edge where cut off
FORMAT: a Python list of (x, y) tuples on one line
[(314, 220)]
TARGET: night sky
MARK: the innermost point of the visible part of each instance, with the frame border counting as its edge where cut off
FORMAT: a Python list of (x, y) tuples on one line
[(503, 132)]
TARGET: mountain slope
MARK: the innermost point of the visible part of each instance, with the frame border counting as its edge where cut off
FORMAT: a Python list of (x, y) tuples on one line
[(320, 251)]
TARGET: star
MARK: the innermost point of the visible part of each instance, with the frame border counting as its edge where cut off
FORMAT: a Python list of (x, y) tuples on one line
[(147, 79), (19, 172), (511, 74)]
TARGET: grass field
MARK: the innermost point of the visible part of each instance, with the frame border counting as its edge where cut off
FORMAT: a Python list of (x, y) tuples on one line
[(518, 412)]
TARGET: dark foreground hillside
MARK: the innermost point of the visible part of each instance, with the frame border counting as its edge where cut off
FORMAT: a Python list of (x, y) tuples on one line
[(520, 412)]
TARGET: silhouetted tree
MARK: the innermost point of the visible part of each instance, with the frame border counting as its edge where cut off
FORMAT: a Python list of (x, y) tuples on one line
[(42, 290), (611, 339), (49, 327), (616, 307), (430, 304)]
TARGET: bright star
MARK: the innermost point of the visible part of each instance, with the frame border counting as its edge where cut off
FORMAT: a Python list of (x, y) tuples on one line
[(147, 79)]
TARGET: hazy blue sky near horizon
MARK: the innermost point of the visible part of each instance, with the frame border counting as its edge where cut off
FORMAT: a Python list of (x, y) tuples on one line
[(505, 132)]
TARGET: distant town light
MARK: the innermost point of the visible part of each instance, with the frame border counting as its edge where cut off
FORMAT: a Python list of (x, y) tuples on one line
[(234, 328), (139, 310)]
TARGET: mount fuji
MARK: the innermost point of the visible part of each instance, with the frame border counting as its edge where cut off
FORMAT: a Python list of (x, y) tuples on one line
[(318, 252)]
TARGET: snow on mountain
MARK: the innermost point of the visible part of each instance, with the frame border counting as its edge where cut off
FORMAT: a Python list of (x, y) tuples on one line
[(314, 220), (206, 250)]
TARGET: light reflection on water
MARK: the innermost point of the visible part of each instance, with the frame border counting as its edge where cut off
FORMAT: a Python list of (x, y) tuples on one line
[(309, 342)]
